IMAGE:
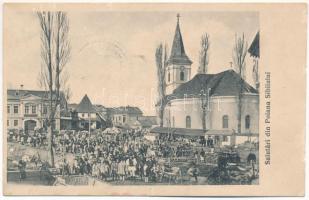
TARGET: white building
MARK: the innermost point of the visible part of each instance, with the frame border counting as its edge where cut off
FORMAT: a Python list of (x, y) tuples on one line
[(28, 109), (125, 116), (88, 115), (183, 113)]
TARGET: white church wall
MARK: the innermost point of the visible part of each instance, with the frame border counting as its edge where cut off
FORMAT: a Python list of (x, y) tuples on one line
[(221, 106), (175, 113), (181, 108), (250, 107)]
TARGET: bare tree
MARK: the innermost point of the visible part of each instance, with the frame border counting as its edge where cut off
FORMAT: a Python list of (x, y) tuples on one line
[(204, 57), (55, 53), (62, 49), (239, 55), (256, 74), (203, 68), (65, 88), (161, 63), (205, 94)]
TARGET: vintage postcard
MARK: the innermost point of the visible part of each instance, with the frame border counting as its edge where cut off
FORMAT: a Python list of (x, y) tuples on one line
[(154, 99)]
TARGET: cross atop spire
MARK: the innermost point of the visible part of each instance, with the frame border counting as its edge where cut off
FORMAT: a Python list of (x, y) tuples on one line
[(178, 16), (178, 54)]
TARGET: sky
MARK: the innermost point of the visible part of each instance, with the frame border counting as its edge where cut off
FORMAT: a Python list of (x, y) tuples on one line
[(113, 53)]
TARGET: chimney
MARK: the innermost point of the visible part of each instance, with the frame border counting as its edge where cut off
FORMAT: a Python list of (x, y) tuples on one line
[(20, 88)]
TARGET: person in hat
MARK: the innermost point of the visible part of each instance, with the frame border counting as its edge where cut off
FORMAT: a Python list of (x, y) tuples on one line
[(121, 169), (22, 170), (114, 168)]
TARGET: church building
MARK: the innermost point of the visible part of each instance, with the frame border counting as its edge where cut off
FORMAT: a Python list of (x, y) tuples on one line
[(183, 114)]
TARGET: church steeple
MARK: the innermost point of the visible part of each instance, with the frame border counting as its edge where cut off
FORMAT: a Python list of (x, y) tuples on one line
[(179, 65), (178, 54)]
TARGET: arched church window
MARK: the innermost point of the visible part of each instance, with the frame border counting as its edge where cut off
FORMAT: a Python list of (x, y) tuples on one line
[(169, 77), (182, 76), (247, 121), (188, 122), (225, 121)]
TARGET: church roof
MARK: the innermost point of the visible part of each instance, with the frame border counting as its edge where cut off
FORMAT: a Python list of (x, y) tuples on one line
[(178, 54), (85, 106), (254, 48), (225, 83)]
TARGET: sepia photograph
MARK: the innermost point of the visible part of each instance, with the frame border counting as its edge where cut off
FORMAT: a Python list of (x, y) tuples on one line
[(134, 97), (191, 117)]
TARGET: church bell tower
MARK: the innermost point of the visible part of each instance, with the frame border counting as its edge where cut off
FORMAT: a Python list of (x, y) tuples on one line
[(179, 65)]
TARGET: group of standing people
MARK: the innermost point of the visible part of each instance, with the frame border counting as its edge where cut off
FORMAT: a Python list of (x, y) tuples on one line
[(35, 139), (110, 157), (126, 155)]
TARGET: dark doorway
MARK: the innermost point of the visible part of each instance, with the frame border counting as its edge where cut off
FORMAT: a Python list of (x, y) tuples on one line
[(30, 125)]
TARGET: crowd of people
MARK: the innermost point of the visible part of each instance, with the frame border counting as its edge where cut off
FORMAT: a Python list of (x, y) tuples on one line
[(123, 156), (126, 155), (36, 139)]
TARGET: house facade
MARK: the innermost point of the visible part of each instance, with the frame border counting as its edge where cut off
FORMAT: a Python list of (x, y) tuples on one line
[(145, 122), (87, 116), (125, 116), (28, 109)]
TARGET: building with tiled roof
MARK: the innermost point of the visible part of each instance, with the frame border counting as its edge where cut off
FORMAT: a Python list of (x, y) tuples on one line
[(88, 115), (85, 106)]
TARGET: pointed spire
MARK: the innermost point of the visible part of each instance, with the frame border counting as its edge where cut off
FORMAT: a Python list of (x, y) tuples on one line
[(85, 106), (254, 48), (178, 54)]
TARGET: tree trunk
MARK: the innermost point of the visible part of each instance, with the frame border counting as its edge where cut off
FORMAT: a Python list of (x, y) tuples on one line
[(50, 145), (239, 108), (239, 116), (161, 114), (204, 119)]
